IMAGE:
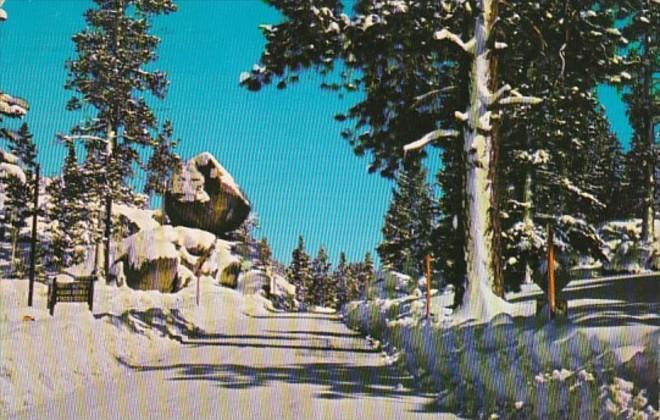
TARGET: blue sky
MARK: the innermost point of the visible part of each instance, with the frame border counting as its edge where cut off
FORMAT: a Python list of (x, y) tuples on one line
[(282, 147)]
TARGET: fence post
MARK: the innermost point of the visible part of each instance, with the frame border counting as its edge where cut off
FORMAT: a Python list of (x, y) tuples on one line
[(33, 241), (551, 271)]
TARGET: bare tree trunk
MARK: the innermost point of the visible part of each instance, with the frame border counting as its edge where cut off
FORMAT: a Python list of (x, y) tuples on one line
[(482, 258), (648, 216), (527, 199)]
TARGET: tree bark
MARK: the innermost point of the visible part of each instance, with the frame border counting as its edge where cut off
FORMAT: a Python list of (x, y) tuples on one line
[(482, 257), (648, 212)]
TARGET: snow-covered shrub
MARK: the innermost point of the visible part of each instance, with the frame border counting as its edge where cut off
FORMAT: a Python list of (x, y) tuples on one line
[(620, 401), (626, 251)]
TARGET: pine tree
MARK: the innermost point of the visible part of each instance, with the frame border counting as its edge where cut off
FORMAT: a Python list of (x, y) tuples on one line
[(299, 272), (367, 275), (423, 80), (67, 214), (265, 254), (409, 223), (111, 75), (320, 291), (163, 162), (642, 97), (244, 236), (341, 278), (19, 190)]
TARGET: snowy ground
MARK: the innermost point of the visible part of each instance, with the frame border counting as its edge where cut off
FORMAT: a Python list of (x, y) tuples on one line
[(44, 357), (232, 357), (596, 364)]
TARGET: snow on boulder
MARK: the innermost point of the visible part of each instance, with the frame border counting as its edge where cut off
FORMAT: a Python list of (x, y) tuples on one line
[(252, 282), (205, 196), (139, 218), (195, 241), (151, 260)]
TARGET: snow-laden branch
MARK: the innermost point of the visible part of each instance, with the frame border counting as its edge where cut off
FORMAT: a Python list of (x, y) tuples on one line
[(520, 100), (12, 106), (566, 183), (443, 34), (3, 14), (498, 95), (431, 93), (82, 137), (428, 138)]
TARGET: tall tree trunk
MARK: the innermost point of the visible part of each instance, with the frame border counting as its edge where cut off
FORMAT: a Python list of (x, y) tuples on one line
[(648, 212), (527, 199), (482, 258)]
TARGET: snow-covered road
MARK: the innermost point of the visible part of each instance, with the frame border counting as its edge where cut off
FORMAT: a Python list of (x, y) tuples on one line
[(275, 366)]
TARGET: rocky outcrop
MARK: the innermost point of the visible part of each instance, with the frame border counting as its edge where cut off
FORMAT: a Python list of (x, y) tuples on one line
[(168, 258), (204, 196)]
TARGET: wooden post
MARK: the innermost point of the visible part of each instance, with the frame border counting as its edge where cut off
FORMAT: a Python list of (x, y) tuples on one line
[(90, 299), (53, 296), (428, 286), (33, 241), (551, 272)]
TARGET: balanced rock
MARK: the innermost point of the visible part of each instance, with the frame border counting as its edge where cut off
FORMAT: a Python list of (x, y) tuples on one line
[(205, 196)]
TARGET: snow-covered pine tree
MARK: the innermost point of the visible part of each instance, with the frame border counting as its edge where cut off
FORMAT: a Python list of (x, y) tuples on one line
[(409, 223), (112, 74), (321, 289), (299, 272), (367, 275), (642, 97), (566, 161), (19, 190), (244, 236), (163, 161), (432, 67), (355, 281), (265, 254), (341, 277), (67, 214)]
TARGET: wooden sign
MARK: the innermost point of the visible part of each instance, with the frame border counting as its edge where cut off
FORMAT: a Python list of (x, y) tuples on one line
[(81, 290)]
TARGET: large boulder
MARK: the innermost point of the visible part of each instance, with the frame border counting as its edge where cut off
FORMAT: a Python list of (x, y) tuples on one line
[(204, 196), (150, 260)]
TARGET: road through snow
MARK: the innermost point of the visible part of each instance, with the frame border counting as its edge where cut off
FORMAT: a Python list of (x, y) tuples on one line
[(275, 366)]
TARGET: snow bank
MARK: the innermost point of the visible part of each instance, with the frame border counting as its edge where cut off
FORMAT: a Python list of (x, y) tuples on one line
[(511, 368)]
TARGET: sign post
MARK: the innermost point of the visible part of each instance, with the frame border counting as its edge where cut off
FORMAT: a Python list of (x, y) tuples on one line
[(551, 272), (428, 286), (33, 241)]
